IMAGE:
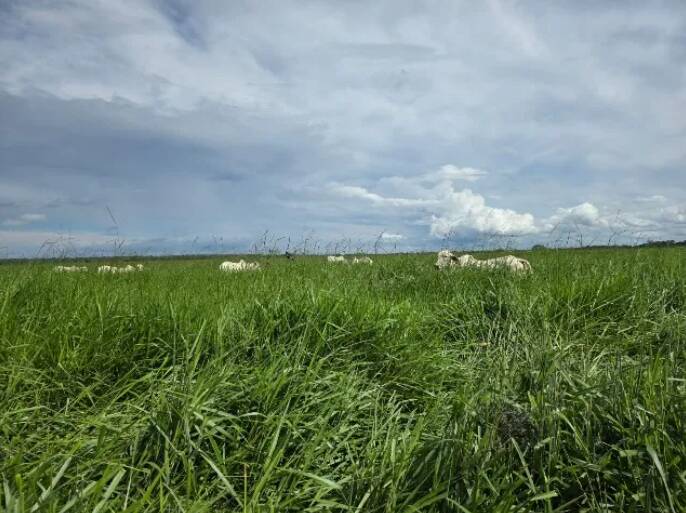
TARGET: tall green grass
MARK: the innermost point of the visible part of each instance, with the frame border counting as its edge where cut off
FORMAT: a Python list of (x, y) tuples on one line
[(312, 387)]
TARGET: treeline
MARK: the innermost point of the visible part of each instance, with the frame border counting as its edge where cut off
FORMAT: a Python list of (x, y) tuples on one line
[(662, 243), (648, 244)]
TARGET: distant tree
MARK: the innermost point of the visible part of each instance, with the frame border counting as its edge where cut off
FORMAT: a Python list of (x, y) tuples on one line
[(662, 243)]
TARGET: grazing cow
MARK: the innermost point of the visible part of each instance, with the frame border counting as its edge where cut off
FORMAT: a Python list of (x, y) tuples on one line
[(362, 260), (117, 270), (112, 269), (70, 269), (241, 265), (289, 255), (445, 259), (340, 259), (513, 263), (510, 262), (468, 261)]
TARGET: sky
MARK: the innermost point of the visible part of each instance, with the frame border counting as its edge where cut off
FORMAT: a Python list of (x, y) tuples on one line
[(172, 126)]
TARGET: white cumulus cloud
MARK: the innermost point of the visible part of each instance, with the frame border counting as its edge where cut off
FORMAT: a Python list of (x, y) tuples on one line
[(465, 211), (444, 208), (674, 215), (585, 214)]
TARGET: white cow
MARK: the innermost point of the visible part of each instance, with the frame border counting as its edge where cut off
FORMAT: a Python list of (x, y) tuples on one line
[(511, 262), (241, 265), (112, 269), (340, 259), (469, 261), (70, 269), (362, 260), (445, 259)]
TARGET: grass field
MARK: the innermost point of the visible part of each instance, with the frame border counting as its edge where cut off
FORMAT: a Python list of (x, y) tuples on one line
[(315, 387)]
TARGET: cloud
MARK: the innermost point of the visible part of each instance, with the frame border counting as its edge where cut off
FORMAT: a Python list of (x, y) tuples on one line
[(351, 191), (445, 209), (392, 236), (450, 173), (655, 198), (588, 215), (46, 243), (673, 215), (32, 243), (341, 117), (24, 219), (465, 211), (33, 217), (433, 199), (517, 30), (648, 221), (585, 214)]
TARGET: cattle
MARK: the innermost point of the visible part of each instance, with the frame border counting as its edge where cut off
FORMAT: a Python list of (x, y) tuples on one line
[(70, 269), (289, 255), (511, 262), (241, 265), (111, 269), (339, 259), (362, 260), (445, 259), (468, 261)]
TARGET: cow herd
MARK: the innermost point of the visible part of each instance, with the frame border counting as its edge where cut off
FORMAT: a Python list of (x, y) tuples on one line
[(70, 268), (446, 260), (340, 259), (242, 265), (111, 269)]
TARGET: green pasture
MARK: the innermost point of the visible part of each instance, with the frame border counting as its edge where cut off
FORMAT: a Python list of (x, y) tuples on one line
[(311, 387)]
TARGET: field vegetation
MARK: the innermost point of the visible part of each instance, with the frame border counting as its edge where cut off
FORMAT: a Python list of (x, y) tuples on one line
[(314, 387)]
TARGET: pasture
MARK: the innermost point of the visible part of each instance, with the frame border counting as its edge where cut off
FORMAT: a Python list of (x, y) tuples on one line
[(389, 387)]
